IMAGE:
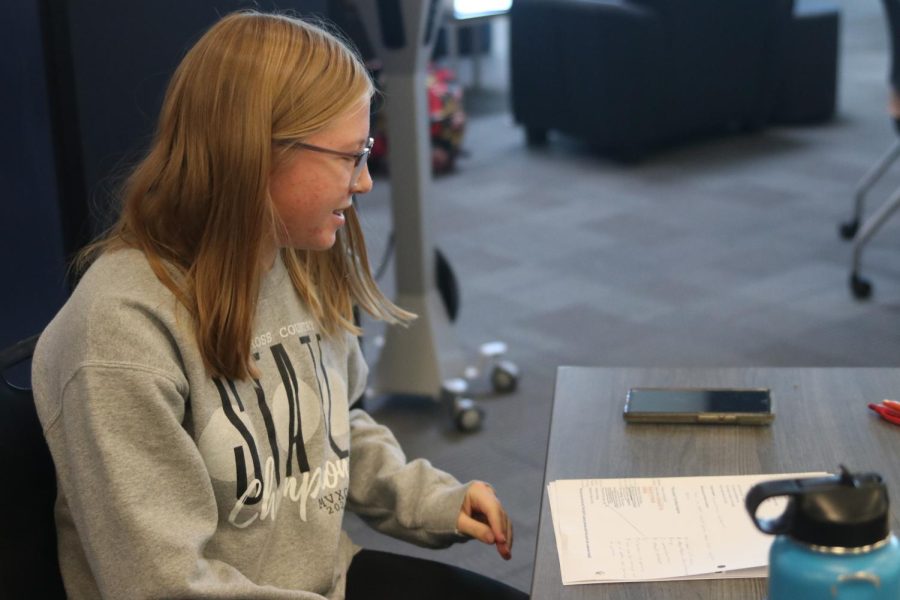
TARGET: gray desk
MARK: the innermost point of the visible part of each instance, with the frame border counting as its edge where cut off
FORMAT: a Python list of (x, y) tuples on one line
[(821, 421)]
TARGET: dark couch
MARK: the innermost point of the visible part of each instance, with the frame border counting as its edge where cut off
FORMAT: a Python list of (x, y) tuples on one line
[(631, 75)]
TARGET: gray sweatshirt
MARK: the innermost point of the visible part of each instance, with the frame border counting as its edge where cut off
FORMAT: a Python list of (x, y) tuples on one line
[(173, 484)]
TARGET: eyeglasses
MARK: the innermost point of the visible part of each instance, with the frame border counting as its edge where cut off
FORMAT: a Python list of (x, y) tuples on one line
[(360, 158)]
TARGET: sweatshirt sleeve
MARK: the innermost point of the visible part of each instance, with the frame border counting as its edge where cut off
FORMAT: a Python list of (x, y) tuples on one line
[(413, 501), (138, 490)]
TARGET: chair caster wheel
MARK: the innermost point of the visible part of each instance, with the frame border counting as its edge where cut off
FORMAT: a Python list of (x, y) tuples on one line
[(453, 388), (467, 416), (861, 288), (504, 377), (849, 229)]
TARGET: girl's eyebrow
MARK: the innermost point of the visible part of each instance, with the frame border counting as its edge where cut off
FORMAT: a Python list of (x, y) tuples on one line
[(354, 146)]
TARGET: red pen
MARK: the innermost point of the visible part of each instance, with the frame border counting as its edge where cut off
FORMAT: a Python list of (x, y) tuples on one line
[(886, 413), (887, 407), (892, 404)]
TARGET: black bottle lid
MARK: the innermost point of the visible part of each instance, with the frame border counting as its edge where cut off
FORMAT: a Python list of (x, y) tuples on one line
[(839, 511)]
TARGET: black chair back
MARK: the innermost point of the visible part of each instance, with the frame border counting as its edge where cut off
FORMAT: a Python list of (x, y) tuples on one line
[(29, 567)]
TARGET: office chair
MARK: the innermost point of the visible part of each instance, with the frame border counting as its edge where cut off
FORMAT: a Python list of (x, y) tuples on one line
[(29, 567), (861, 287)]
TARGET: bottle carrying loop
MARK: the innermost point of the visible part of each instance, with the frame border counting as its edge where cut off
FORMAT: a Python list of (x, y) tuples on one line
[(759, 494)]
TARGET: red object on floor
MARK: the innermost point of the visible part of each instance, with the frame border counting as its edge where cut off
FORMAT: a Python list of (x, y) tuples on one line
[(446, 117)]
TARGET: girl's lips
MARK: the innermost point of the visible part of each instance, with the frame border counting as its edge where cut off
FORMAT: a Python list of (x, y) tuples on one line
[(339, 215)]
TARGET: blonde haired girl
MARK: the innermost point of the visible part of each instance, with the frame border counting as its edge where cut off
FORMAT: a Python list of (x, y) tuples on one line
[(195, 390)]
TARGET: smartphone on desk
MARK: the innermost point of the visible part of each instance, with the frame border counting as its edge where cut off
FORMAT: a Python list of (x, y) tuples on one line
[(743, 406)]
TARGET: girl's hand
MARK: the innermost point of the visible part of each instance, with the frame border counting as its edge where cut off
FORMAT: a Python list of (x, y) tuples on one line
[(484, 518)]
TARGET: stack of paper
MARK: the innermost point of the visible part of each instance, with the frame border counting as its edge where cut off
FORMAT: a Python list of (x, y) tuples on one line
[(620, 530)]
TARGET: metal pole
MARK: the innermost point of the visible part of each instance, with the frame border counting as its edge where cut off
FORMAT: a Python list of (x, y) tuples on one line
[(418, 359)]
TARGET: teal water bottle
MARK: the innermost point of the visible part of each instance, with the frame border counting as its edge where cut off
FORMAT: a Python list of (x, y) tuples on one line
[(833, 538)]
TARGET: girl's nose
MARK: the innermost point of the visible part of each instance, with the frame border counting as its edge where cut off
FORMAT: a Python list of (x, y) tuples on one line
[(363, 183)]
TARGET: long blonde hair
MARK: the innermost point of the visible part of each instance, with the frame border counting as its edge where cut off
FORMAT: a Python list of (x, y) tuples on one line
[(198, 205)]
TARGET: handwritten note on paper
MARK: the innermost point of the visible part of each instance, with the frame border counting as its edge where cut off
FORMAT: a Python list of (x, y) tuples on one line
[(618, 530)]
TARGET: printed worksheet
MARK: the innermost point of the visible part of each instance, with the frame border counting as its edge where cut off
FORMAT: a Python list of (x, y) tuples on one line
[(620, 530)]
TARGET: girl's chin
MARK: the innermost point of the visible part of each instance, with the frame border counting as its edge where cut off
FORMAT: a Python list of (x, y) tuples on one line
[(321, 240)]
